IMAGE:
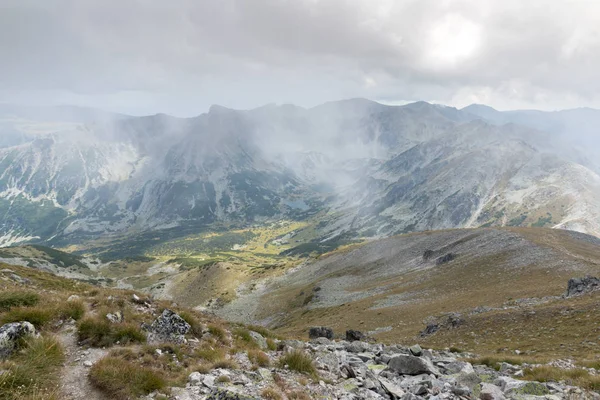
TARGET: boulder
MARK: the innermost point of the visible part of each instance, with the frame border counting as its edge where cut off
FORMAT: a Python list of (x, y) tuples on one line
[(320, 331), (578, 286), (259, 339), (412, 365), (169, 327), (353, 336), (490, 392), (10, 334)]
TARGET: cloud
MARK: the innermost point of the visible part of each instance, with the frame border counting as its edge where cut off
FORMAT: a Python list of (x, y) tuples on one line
[(182, 55)]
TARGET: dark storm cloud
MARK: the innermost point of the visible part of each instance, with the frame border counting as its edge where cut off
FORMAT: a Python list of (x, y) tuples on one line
[(179, 56)]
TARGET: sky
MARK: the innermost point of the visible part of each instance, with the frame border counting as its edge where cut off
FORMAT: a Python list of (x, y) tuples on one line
[(181, 56)]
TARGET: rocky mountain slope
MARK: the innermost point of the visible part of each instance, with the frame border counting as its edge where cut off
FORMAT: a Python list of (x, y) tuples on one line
[(61, 339), (352, 169)]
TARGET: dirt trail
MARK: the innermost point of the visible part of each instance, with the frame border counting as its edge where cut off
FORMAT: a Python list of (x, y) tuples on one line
[(74, 380)]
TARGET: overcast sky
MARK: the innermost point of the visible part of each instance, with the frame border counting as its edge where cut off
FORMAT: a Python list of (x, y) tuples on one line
[(180, 56)]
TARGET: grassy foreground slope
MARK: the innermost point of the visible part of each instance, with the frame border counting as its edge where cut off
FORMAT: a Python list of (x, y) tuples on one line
[(505, 283)]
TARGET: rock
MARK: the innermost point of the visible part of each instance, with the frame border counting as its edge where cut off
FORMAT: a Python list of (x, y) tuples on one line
[(169, 327), (10, 334), (72, 298), (18, 279), (87, 363), (220, 394), (116, 317), (449, 321), (352, 335), (411, 365), (445, 259), (259, 339), (195, 378), (578, 286), (391, 388), (457, 367), (320, 331), (416, 350), (490, 392), (428, 254), (209, 381)]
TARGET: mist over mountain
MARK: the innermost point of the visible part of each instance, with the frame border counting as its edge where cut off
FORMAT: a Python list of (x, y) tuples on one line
[(367, 169)]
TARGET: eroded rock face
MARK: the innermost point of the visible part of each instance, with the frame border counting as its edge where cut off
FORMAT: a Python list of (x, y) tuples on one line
[(169, 327), (578, 286), (320, 331), (10, 334)]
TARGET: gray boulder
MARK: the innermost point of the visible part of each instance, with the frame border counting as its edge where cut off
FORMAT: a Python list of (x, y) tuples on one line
[(10, 334), (411, 365), (577, 286), (169, 327), (320, 331), (353, 336), (220, 394), (259, 339), (416, 350), (490, 392)]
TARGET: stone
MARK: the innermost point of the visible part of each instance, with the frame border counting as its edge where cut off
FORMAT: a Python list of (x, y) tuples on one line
[(72, 298), (220, 394), (10, 334), (445, 259), (168, 327), (320, 331), (209, 381), (352, 335), (578, 286), (87, 363), (116, 317), (391, 388), (457, 367), (416, 350), (411, 365), (490, 392), (195, 378), (259, 339)]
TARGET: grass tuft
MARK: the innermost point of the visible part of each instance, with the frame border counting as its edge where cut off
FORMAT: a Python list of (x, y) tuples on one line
[(121, 379), (100, 332), (12, 299), (575, 377), (259, 358), (298, 361), (38, 316)]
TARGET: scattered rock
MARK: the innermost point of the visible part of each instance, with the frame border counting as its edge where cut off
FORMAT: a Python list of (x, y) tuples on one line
[(490, 392), (320, 331), (169, 327), (220, 394), (10, 334), (449, 321), (578, 286), (88, 363)]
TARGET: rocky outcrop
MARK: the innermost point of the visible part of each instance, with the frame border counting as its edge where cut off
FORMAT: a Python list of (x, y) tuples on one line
[(10, 334), (578, 286), (411, 365), (320, 331), (168, 327)]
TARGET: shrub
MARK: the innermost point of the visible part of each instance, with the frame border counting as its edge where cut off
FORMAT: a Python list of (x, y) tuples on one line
[(121, 379), (575, 377), (34, 371), (37, 316), (298, 361), (259, 358), (12, 299)]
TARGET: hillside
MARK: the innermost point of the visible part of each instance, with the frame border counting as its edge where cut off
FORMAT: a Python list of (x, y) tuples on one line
[(506, 284), (63, 339)]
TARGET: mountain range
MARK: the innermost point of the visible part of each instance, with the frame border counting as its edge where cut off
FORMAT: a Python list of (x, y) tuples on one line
[(350, 169)]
